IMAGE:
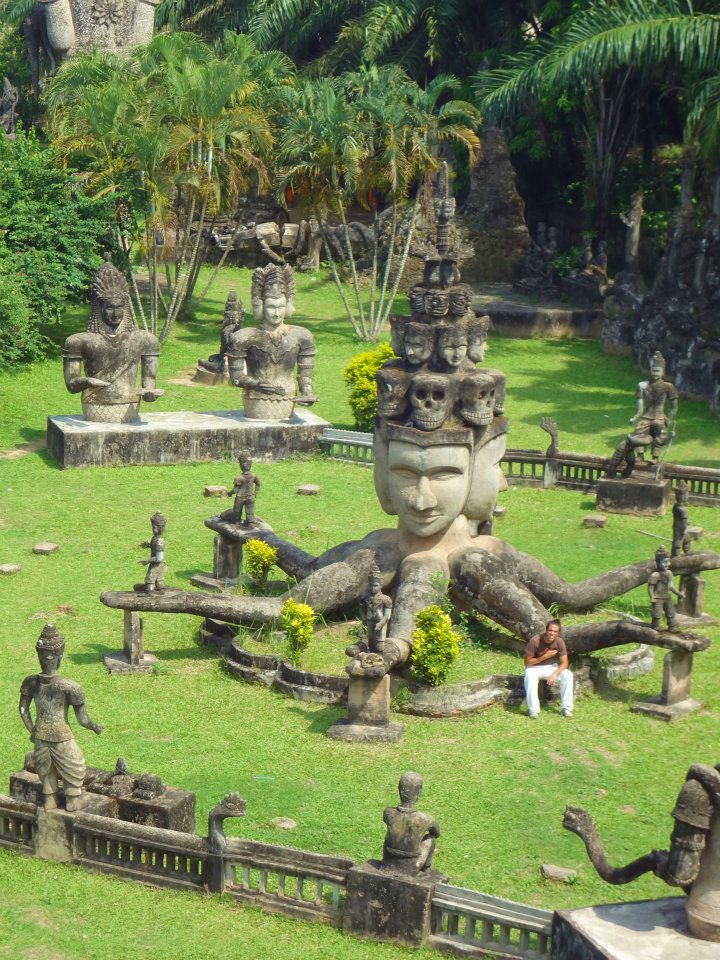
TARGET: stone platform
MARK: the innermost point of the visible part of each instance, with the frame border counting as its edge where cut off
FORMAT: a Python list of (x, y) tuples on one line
[(514, 314), (647, 929), (181, 437), (639, 496)]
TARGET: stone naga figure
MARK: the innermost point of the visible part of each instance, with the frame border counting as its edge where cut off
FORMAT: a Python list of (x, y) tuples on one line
[(263, 359), (111, 350), (693, 861), (57, 755), (651, 421), (660, 590), (411, 836)]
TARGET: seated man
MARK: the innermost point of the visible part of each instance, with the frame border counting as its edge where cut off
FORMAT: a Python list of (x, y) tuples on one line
[(546, 659)]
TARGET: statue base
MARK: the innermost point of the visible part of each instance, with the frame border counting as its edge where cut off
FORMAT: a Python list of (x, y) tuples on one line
[(652, 929), (368, 715), (117, 662), (210, 378), (640, 496), (674, 700), (181, 437), (364, 733)]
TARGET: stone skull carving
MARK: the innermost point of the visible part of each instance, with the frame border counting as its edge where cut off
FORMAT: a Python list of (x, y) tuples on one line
[(431, 396), (392, 391), (477, 399)]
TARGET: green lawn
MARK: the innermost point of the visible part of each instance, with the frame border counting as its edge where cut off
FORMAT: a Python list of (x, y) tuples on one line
[(497, 783)]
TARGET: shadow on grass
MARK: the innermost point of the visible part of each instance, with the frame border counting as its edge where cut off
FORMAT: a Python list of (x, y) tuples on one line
[(318, 721), (192, 652)]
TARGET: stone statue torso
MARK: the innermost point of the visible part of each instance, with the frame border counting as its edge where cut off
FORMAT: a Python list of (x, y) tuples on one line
[(52, 696), (245, 486), (270, 357), (406, 829), (112, 358), (654, 396), (660, 583)]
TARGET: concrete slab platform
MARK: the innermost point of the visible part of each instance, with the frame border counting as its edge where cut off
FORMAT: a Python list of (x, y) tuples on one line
[(181, 437), (647, 929)]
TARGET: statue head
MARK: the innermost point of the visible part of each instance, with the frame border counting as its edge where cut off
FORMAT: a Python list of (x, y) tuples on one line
[(437, 303), (234, 313), (452, 346), (158, 523), (273, 295), (460, 299), (416, 297), (410, 788), (657, 366), (477, 398), (110, 301), (681, 491), (393, 384), (374, 580), (693, 815), (432, 396), (419, 342), (662, 558), (245, 461), (477, 329), (50, 648)]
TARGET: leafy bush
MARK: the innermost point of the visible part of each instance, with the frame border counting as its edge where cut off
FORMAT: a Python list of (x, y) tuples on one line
[(435, 645), (359, 375), (53, 233), (259, 558), (298, 620), (20, 341)]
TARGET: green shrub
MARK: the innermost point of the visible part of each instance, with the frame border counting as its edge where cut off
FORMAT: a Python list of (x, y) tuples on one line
[(435, 645), (359, 375), (298, 620), (20, 341), (259, 558)]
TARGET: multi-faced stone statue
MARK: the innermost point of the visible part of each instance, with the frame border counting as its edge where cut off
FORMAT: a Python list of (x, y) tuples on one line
[(112, 351), (419, 343), (263, 359), (477, 398), (452, 346), (432, 397), (393, 384), (57, 755), (233, 320)]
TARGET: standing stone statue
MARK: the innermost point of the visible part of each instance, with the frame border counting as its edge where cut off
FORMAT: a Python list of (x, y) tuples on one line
[(57, 755), (8, 103), (215, 368), (651, 420), (411, 835), (155, 576), (263, 359), (375, 611), (660, 590), (681, 521), (245, 489), (111, 350)]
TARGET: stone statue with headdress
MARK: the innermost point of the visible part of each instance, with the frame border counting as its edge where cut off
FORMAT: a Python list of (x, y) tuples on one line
[(263, 359), (112, 351)]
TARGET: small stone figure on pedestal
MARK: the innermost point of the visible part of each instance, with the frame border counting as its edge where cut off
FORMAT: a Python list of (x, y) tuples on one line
[(660, 589), (681, 520), (411, 835), (57, 755), (155, 576), (245, 489), (375, 611)]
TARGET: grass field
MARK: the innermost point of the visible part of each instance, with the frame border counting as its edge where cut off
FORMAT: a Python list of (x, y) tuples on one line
[(497, 783)]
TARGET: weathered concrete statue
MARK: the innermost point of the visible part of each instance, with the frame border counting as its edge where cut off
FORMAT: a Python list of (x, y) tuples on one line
[(652, 422), (660, 591), (681, 540), (263, 359), (245, 489), (112, 350), (57, 755), (411, 835), (693, 861), (375, 610), (155, 575), (215, 368), (8, 103)]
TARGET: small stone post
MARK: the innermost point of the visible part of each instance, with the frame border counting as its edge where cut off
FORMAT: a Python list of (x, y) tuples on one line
[(227, 557), (368, 712), (132, 658), (674, 700)]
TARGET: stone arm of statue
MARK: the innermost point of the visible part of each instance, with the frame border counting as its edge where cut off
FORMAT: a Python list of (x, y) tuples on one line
[(240, 378), (83, 718), (640, 409), (148, 391), (306, 366), (672, 413), (25, 716), (74, 379)]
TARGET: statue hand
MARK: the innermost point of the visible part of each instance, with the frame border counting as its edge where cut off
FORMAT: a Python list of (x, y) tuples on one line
[(97, 728), (93, 382), (367, 665), (150, 394)]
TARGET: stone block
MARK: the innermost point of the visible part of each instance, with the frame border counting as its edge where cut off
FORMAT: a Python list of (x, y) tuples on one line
[(639, 496), (283, 823), (595, 520), (380, 905), (117, 662), (181, 437), (215, 491), (7, 569), (227, 557), (559, 874), (308, 489), (369, 701), (44, 549), (647, 929)]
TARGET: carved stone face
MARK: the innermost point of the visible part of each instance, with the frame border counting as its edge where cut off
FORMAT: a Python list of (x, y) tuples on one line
[(274, 310), (427, 486), (431, 397), (460, 301), (437, 303), (452, 347), (656, 370), (477, 399), (392, 391), (477, 339), (417, 299), (418, 346), (397, 334), (112, 314)]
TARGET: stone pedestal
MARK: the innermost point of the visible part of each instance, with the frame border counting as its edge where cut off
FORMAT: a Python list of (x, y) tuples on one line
[(675, 699), (181, 437), (227, 558), (640, 496), (647, 929), (380, 905), (368, 712), (689, 610), (132, 658)]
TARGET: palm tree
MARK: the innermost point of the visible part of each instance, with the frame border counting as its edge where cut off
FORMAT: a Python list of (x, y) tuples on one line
[(611, 55), (366, 134), (177, 134)]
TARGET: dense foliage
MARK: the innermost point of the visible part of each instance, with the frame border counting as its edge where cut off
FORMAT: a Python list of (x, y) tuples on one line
[(435, 645), (52, 233), (259, 558), (20, 340), (298, 621), (359, 375)]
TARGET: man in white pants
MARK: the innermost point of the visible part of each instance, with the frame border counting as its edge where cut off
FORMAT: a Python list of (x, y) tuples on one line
[(546, 659)]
